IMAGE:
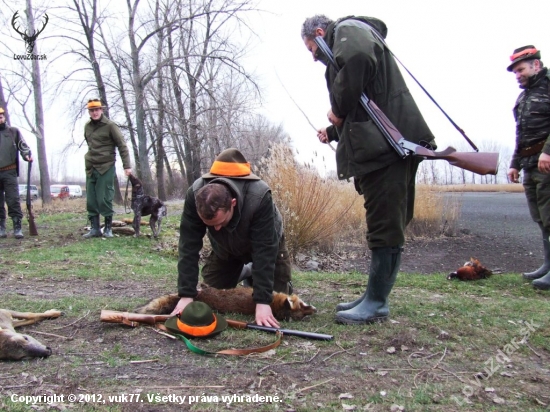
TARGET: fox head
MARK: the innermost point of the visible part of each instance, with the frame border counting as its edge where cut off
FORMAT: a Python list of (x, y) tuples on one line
[(291, 307)]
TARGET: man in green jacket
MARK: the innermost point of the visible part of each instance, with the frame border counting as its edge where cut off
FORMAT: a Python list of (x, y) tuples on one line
[(11, 142), (386, 181), (102, 136), (235, 208)]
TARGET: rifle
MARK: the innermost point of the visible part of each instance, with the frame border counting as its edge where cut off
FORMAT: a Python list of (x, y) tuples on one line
[(480, 163), (32, 226), (135, 319)]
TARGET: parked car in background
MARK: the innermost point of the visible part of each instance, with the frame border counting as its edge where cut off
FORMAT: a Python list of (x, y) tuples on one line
[(23, 192), (75, 191), (60, 192)]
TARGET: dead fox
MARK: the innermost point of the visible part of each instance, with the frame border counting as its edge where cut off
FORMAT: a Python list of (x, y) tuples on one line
[(238, 300), (17, 346)]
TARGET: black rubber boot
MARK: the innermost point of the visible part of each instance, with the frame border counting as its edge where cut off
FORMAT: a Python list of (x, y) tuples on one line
[(382, 275), (543, 283), (108, 229), (543, 270), (3, 233), (95, 231), (17, 233)]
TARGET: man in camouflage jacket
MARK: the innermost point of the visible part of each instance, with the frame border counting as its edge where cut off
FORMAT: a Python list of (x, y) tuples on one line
[(532, 152), (11, 142)]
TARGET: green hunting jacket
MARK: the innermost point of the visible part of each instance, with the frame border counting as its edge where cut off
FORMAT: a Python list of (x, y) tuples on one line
[(366, 65), (103, 136), (252, 235)]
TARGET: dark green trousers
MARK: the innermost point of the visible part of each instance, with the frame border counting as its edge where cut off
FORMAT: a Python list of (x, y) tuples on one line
[(389, 201), (9, 193), (537, 191), (224, 274), (100, 192)]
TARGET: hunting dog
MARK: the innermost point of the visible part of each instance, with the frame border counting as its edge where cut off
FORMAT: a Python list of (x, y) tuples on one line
[(238, 300), (17, 346), (144, 205)]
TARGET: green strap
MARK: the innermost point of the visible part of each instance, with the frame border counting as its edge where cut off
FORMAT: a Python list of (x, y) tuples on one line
[(238, 352)]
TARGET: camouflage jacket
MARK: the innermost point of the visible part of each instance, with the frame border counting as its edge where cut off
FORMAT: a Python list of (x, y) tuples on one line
[(532, 115)]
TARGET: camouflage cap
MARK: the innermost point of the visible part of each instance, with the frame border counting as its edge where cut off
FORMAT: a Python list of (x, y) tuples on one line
[(523, 53)]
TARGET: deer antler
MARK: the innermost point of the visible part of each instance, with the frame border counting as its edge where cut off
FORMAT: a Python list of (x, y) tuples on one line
[(36, 33), (13, 19)]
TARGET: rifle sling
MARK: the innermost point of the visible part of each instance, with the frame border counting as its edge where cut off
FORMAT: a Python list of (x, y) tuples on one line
[(235, 352)]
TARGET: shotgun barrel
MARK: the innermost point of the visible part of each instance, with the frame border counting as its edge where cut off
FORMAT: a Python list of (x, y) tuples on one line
[(289, 332)]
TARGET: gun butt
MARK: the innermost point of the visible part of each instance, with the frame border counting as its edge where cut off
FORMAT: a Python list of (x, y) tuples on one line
[(33, 231)]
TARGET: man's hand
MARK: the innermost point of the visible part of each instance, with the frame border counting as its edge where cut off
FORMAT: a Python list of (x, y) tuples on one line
[(127, 172), (181, 305), (544, 163), (264, 316), (322, 135), (513, 175), (336, 121)]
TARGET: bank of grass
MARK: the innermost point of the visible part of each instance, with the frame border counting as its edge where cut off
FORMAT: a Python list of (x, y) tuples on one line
[(441, 334)]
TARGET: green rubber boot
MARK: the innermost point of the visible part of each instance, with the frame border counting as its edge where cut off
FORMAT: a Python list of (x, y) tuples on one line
[(95, 231), (543, 270), (382, 275)]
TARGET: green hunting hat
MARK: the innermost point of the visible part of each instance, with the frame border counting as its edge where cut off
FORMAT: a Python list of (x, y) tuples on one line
[(196, 321), (231, 163), (523, 53)]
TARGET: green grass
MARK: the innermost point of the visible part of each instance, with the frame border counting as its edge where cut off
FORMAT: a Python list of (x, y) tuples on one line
[(443, 333)]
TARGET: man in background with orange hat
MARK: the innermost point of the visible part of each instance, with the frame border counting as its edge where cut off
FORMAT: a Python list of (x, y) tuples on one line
[(235, 208), (11, 142), (102, 136), (532, 152)]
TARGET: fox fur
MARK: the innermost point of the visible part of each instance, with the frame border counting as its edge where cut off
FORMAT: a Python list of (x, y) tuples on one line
[(17, 346), (238, 300), (472, 270)]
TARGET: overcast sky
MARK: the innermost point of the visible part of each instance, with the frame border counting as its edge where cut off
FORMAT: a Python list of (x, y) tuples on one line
[(458, 50)]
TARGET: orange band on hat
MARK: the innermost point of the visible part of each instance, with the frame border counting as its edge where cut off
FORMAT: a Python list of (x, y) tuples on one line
[(93, 105), (197, 330), (230, 169), (523, 53)]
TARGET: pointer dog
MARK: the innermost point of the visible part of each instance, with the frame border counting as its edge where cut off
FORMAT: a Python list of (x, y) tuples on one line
[(144, 205)]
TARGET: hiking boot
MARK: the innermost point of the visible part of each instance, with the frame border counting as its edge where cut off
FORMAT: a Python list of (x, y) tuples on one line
[(3, 233), (382, 275), (17, 233), (108, 229), (543, 283), (543, 270), (95, 231)]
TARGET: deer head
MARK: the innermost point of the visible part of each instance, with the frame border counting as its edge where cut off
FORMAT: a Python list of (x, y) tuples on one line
[(29, 39)]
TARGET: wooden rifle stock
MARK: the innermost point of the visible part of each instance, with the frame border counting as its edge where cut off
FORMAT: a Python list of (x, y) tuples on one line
[(131, 319), (32, 225), (480, 163), (289, 332)]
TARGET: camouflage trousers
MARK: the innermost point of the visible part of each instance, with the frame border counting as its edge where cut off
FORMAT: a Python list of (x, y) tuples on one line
[(224, 274), (9, 193)]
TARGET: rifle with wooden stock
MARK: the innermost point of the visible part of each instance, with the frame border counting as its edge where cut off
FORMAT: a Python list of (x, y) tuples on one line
[(32, 225), (482, 163), (135, 319)]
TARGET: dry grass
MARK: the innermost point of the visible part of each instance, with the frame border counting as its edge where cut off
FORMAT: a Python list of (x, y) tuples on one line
[(316, 211)]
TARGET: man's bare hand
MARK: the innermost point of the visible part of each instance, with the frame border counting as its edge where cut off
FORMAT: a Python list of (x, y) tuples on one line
[(264, 316), (336, 121), (181, 305), (544, 163), (322, 135), (513, 175)]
